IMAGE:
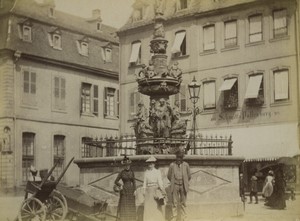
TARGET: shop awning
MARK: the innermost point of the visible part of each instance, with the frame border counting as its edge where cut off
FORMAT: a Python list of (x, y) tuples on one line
[(227, 84), (262, 143), (177, 42), (253, 86), (135, 52)]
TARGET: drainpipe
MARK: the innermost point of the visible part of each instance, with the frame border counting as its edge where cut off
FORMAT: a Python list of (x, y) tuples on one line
[(16, 57)]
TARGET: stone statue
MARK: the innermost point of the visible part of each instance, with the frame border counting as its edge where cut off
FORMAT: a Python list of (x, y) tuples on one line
[(150, 70), (6, 141), (178, 125), (142, 73), (163, 119), (141, 127), (159, 7), (175, 71), (159, 31)]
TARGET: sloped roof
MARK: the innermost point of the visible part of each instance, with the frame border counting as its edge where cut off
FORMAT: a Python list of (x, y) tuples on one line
[(195, 8), (34, 10)]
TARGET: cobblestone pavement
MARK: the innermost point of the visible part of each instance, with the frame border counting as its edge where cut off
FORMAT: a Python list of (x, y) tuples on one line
[(9, 207)]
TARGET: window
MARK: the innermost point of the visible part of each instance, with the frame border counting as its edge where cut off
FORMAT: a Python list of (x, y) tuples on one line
[(135, 57), (209, 94), (111, 102), (84, 48), (89, 99), (29, 82), (56, 39), (59, 93), (230, 33), (106, 54), (209, 37), (230, 89), (182, 4), (85, 150), (29, 88), (26, 33), (255, 28), (181, 97), (281, 85), (255, 90), (134, 99), (28, 147), (279, 23), (58, 155), (179, 46)]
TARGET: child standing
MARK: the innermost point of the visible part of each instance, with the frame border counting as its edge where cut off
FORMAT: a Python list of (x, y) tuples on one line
[(253, 191)]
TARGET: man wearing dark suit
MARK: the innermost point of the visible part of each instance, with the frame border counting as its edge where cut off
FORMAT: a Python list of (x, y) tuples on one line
[(179, 175)]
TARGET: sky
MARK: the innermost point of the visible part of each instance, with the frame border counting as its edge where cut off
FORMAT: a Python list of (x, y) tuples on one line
[(113, 12)]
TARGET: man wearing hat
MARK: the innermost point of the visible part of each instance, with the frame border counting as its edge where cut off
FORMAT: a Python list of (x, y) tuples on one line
[(179, 175)]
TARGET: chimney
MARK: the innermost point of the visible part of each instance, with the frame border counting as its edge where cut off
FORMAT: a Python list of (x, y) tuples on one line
[(96, 13)]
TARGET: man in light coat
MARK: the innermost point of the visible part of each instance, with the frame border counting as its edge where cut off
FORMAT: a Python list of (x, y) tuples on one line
[(179, 176)]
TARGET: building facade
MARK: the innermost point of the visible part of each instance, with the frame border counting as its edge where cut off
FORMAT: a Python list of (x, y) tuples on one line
[(245, 54), (58, 88)]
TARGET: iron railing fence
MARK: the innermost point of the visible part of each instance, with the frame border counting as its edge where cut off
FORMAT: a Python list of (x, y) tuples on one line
[(129, 145)]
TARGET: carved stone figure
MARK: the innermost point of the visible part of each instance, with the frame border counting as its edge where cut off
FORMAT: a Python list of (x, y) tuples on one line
[(6, 142), (175, 71), (178, 125), (150, 70), (163, 119), (141, 127), (159, 7)]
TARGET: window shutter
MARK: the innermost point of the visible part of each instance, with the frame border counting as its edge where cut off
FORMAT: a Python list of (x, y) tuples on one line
[(117, 113), (183, 98), (96, 100), (33, 83), (105, 101), (81, 98), (63, 88), (209, 37), (26, 82)]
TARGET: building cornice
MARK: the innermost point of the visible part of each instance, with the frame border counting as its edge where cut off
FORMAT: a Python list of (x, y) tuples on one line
[(96, 71)]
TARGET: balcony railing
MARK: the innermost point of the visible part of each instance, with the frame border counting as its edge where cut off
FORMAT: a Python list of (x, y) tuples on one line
[(129, 145)]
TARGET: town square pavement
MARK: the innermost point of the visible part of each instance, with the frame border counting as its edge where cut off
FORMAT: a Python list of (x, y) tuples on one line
[(9, 207)]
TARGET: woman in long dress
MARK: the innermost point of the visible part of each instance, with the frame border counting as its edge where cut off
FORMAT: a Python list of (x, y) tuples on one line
[(152, 182), (126, 207), (268, 185)]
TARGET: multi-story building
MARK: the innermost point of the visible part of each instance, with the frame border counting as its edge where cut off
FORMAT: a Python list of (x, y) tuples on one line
[(245, 54), (58, 87)]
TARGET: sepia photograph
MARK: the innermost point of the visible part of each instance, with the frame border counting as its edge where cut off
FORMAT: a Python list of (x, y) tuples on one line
[(150, 110)]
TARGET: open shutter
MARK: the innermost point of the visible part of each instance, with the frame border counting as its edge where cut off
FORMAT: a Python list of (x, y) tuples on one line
[(96, 100), (117, 104), (105, 101), (81, 99)]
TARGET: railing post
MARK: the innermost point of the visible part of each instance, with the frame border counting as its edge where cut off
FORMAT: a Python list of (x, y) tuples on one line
[(230, 146)]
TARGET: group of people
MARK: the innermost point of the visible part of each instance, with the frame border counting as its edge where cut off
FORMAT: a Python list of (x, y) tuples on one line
[(273, 189), (153, 191)]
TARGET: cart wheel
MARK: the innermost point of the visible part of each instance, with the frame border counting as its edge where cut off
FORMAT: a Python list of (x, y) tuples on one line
[(61, 197), (55, 209), (32, 209)]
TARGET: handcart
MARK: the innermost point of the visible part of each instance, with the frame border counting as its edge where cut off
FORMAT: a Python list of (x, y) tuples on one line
[(45, 203)]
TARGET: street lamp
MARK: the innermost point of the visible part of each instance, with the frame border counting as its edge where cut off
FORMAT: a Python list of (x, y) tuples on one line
[(194, 90)]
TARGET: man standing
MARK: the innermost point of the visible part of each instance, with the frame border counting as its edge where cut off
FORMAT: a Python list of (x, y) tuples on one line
[(179, 175)]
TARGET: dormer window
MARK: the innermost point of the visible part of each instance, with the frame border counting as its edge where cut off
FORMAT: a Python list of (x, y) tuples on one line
[(182, 4), (25, 32), (83, 46), (54, 38), (56, 41)]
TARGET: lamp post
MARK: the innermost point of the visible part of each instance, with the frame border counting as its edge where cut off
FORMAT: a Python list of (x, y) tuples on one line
[(194, 90)]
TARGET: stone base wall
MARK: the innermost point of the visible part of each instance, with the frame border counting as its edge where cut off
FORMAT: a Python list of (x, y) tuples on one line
[(214, 186)]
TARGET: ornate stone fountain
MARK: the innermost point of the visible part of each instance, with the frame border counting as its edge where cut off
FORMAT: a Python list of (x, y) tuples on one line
[(158, 81)]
